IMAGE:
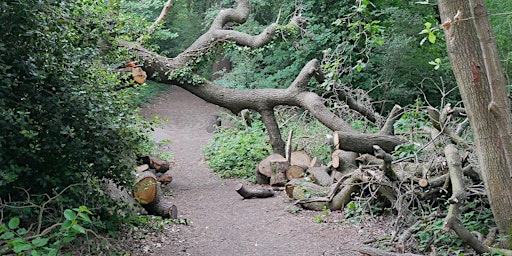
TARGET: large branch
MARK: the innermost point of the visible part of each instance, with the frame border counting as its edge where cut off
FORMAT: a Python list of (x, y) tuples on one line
[(262, 100)]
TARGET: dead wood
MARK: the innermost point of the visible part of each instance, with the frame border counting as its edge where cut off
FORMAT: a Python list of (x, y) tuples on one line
[(261, 179), (349, 186), (363, 143), (345, 161), (388, 127), (253, 192), (378, 252), (155, 163), (288, 148), (161, 206), (386, 164), (264, 165), (370, 114), (279, 168), (145, 187), (295, 172), (148, 193), (320, 176), (300, 158), (302, 190), (452, 220), (440, 122)]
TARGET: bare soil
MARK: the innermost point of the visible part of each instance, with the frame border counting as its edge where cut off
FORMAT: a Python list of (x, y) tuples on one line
[(220, 221)]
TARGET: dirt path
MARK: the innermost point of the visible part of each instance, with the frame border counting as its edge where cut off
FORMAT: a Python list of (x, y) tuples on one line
[(221, 223)]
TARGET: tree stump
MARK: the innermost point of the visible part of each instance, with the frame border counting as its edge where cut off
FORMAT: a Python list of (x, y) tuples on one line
[(264, 171), (279, 168)]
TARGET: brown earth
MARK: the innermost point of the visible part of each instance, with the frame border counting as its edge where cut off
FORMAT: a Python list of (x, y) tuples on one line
[(220, 221)]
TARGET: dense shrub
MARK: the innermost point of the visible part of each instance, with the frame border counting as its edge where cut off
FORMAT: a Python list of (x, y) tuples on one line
[(62, 120)]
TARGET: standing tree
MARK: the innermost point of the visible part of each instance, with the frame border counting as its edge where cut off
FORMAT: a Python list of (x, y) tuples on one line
[(473, 54)]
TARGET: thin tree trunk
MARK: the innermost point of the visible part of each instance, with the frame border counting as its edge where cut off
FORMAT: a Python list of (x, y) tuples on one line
[(489, 116)]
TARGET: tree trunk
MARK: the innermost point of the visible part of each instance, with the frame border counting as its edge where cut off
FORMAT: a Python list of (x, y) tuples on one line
[(473, 55)]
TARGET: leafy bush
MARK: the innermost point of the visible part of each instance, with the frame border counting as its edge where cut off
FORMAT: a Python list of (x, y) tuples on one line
[(63, 121), (236, 151), (17, 239)]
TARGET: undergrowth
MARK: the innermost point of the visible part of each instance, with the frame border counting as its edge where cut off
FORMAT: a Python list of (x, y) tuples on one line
[(235, 152)]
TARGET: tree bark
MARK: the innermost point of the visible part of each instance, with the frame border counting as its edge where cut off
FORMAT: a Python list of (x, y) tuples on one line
[(261, 100), (253, 192), (481, 84)]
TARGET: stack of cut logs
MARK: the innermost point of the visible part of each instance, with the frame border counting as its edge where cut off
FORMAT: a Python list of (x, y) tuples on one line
[(147, 191), (296, 173)]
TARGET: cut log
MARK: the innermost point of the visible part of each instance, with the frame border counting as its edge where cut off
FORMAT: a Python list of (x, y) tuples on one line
[(315, 162), (295, 172), (300, 158), (264, 165), (301, 189), (148, 193), (139, 75), (279, 168), (336, 139), (363, 143), (320, 176), (155, 163), (261, 179), (142, 168), (253, 192), (161, 206), (349, 186), (164, 178), (308, 188), (335, 158), (145, 187)]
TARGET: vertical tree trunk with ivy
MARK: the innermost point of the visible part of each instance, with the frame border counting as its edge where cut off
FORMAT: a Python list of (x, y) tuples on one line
[(473, 54)]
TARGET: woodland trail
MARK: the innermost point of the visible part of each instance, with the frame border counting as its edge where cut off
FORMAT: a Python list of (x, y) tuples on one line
[(221, 223)]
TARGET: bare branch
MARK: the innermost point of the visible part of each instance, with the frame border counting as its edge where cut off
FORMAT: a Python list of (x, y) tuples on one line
[(163, 15)]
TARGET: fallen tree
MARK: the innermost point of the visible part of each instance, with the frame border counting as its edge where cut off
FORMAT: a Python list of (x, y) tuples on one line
[(361, 163)]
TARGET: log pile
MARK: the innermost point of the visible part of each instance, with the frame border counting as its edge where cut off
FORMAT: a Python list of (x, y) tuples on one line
[(354, 169), (147, 189)]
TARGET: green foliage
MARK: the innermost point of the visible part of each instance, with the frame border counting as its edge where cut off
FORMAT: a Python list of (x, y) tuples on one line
[(17, 239), (236, 151), (176, 33), (430, 232), (501, 21), (320, 218), (354, 211), (63, 121)]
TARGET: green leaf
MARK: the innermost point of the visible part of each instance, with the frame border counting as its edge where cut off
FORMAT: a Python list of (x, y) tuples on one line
[(84, 217), (66, 225), (21, 231), (78, 229), (52, 252), (21, 247), (69, 214), (432, 38), (14, 223), (68, 239), (84, 209), (39, 242), (7, 236)]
